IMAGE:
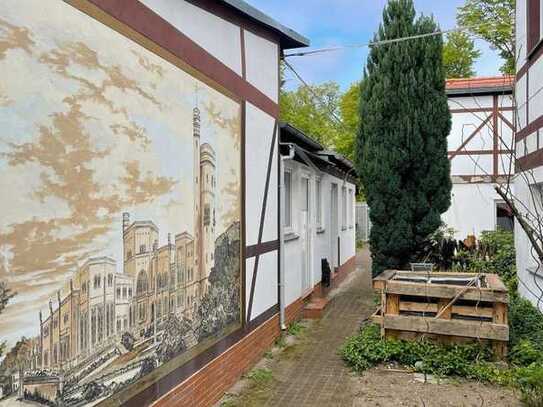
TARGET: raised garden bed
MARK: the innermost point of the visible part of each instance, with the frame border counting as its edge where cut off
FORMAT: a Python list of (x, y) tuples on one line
[(446, 307)]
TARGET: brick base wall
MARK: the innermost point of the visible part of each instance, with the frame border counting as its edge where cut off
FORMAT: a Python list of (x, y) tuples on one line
[(207, 386)]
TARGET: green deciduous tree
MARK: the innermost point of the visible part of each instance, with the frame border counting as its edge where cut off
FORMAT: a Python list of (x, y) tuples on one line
[(349, 107), (324, 113), (459, 55), (310, 110), (402, 143), (494, 21)]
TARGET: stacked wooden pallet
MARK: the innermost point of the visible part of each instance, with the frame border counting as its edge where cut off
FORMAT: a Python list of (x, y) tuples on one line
[(447, 307)]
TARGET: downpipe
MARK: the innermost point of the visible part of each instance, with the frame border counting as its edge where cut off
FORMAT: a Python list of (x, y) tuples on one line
[(281, 281)]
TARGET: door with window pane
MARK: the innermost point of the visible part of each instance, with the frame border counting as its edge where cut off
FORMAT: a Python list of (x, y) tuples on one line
[(334, 226), (305, 233)]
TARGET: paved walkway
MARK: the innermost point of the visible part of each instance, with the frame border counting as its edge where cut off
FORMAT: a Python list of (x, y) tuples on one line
[(318, 376), (311, 373)]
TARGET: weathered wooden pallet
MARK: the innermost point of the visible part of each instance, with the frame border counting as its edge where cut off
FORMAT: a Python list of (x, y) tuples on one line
[(449, 307)]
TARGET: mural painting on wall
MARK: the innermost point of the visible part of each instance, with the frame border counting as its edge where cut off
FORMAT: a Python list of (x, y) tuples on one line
[(120, 211)]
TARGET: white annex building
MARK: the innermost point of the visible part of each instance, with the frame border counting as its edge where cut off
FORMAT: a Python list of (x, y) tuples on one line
[(479, 152)]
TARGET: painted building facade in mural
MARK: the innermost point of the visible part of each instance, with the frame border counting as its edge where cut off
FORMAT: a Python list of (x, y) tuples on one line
[(120, 229)]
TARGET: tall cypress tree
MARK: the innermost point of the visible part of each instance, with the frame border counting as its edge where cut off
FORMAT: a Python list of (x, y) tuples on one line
[(402, 142)]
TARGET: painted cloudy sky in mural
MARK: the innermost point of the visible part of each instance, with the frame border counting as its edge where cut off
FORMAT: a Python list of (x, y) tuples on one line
[(92, 125)]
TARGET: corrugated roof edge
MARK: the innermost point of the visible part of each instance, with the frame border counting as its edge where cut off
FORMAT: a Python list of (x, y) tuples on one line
[(301, 136), (318, 148), (289, 38)]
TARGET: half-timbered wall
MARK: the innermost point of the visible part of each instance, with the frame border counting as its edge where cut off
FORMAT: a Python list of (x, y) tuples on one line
[(529, 142), (238, 56), (479, 152)]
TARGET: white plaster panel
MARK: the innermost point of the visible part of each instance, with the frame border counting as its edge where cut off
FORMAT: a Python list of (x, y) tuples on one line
[(293, 271), (524, 259), (470, 102), (472, 165), (463, 125), (520, 90), (505, 132), (505, 100), (258, 138), (531, 143), (217, 36), (271, 218), (261, 64), (536, 90), (265, 294), (472, 209), (504, 164)]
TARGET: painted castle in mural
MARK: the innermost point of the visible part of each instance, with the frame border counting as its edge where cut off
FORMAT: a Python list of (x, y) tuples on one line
[(118, 322), (107, 299), (120, 232)]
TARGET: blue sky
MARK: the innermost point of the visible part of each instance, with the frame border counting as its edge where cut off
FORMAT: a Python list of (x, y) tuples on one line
[(337, 22)]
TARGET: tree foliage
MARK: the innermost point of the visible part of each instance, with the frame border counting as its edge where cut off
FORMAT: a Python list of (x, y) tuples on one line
[(5, 295), (173, 341), (19, 357), (402, 143), (494, 21), (312, 111), (349, 106), (459, 55)]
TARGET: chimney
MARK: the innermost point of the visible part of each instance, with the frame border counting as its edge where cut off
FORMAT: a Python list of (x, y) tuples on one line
[(126, 220)]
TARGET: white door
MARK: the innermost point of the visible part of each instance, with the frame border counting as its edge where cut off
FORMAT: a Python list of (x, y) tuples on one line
[(334, 231), (305, 234)]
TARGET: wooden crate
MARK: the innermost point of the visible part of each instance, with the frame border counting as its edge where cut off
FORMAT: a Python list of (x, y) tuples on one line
[(446, 307)]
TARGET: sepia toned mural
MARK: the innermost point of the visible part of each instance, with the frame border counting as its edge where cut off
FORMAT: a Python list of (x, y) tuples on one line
[(119, 212)]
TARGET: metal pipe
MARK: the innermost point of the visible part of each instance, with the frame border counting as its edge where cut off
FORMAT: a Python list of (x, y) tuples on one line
[(281, 281)]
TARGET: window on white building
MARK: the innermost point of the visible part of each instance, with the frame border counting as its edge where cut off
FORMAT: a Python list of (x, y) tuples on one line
[(318, 202), (288, 199)]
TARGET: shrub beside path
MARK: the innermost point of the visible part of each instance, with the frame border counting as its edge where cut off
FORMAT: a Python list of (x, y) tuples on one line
[(308, 370)]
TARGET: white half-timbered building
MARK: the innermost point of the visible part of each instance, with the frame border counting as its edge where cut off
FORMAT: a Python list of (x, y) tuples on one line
[(479, 152)]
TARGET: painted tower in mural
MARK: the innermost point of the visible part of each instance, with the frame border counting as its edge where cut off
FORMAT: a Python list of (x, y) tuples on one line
[(197, 207), (204, 206), (207, 220)]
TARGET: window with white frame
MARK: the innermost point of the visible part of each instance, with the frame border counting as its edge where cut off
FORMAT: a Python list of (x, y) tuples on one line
[(318, 201), (288, 200), (343, 207)]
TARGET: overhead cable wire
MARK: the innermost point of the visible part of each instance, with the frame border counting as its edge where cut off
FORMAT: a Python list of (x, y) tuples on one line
[(373, 43)]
